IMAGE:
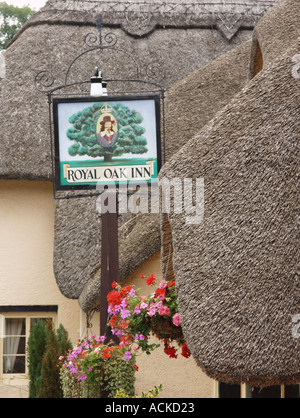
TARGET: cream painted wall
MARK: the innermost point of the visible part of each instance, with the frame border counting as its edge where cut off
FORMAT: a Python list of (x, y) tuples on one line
[(26, 251), (26, 260)]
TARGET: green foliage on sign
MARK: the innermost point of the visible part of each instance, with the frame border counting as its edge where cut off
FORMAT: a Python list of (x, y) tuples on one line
[(12, 18), (130, 139)]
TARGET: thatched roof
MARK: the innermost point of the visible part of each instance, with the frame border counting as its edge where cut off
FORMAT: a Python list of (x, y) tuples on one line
[(56, 36), (237, 272)]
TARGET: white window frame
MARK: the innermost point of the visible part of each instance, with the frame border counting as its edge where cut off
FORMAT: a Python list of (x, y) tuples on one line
[(27, 316)]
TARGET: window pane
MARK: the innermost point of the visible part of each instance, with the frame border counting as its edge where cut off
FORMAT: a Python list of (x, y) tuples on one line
[(14, 345), (266, 392), (15, 326), (292, 391), (229, 391), (14, 364)]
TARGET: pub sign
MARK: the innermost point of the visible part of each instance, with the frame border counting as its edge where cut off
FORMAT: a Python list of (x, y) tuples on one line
[(106, 139)]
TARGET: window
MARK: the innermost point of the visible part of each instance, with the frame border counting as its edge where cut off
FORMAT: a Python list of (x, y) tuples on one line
[(14, 346), (225, 390), (13, 340)]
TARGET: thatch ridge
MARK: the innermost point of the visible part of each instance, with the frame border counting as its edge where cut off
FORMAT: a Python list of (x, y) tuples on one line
[(141, 18)]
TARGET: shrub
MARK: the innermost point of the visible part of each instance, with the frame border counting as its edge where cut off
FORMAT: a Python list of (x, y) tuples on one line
[(50, 381), (36, 349), (44, 348)]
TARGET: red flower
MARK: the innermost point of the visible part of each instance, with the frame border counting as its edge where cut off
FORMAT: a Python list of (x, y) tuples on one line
[(106, 352), (114, 284), (113, 320), (169, 350), (124, 324), (136, 367), (171, 283), (115, 297), (150, 280), (160, 291), (185, 351)]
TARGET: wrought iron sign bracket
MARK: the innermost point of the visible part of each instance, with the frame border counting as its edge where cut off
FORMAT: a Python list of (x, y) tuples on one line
[(155, 73)]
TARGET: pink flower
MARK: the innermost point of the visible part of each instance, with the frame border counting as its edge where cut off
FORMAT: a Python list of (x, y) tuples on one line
[(131, 293), (163, 284), (152, 311), (125, 313), (176, 319), (137, 309), (127, 355), (143, 305), (164, 310)]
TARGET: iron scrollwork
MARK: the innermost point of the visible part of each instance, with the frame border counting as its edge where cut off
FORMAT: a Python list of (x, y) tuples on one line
[(43, 80), (154, 71)]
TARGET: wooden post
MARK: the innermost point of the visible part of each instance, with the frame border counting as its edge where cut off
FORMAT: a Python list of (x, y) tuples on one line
[(109, 265)]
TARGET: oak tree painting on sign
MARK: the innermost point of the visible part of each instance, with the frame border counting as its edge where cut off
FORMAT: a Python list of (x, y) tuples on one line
[(104, 141)]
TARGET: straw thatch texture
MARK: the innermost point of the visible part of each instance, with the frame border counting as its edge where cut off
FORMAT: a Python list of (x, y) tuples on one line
[(276, 32), (237, 272), (208, 90)]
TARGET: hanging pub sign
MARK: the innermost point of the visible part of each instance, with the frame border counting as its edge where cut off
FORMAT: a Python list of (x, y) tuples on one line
[(106, 139)]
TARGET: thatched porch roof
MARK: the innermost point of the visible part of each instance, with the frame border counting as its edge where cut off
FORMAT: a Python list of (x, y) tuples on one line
[(237, 272)]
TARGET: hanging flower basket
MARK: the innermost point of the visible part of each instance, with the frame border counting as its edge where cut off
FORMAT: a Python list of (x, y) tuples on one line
[(164, 328), (133, 318)]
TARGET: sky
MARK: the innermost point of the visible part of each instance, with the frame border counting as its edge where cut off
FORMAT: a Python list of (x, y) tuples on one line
[(34, 4)]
